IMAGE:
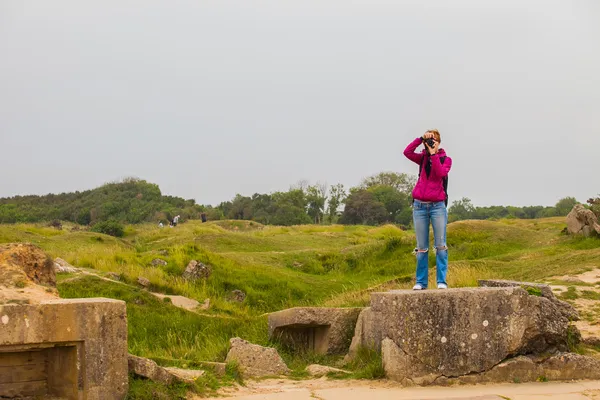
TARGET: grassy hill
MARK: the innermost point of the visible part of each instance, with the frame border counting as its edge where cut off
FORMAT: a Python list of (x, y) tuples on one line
[(131, 200), (281, 267)]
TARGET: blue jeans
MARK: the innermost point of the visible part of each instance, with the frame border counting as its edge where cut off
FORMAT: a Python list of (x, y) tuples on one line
[(436, 213)]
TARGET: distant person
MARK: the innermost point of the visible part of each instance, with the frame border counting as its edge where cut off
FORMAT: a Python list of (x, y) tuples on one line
[(160, 224), (203, 216), (176, 220), (430, 201)]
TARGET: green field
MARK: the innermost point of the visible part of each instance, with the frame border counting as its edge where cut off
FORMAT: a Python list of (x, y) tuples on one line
[(281, 267)]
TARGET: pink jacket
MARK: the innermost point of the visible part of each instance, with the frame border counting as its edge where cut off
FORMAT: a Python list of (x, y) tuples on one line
[(429, 188)]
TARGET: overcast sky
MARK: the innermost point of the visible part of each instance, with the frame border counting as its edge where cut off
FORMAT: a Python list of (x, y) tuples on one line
[(213, 98)]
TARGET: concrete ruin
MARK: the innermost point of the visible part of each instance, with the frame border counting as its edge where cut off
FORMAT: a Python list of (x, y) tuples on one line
[(314, 329), (70, 349), (470, 335), (56, 348)]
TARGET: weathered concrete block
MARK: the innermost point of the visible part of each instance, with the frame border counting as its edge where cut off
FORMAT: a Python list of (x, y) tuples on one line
[(368, 332), (254, 360), (545, 291), (451, 333), (322, 330), (72, 349)]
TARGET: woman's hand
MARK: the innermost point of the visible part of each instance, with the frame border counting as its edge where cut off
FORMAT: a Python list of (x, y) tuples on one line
[(427, 135), (432, 150)]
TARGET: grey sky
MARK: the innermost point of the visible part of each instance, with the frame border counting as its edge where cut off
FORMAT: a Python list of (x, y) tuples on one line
[(213, 98)]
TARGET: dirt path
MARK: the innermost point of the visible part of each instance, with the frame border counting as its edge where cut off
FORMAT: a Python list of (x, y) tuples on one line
[(589, 309), (323, 389)]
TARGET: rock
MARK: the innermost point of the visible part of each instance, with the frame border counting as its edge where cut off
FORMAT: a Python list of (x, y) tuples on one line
[(145, 282), (544, 290), (197, 270), (63, 267), (367, 333), (205, 305), (254, 360), (582, 221), (24, 261), (158, 262), (185, 375), (571, 366), (163, 252), (317, 370), (455, 332), (220, 369), (237, 295), (518, 369), (150, 370), (26, 275), (322, 330), (592, 341), (557, 367)]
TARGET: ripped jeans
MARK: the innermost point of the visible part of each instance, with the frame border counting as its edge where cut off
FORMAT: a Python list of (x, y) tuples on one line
[(423, 214)]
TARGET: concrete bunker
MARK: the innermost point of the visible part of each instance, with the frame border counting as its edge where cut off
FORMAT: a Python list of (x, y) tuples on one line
[(304, 337), (64, 349), (40, 370), (314, 329)]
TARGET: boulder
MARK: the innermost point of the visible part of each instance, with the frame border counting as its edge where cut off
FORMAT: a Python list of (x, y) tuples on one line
[(540, 289), (317, 370), (150, 370), (571, 366), (158, 262), (237, 296), (456, 332), (197, 270), (63, 267), (582, 221), (322, 330), (145, 282), (254, 360)]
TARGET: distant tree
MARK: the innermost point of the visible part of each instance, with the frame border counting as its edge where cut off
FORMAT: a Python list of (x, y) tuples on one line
[(337, 194), (241, 208), (316, 196), (263, 208), (131, 201), (461, 209), (362, 207), (401, 182), (565, 205), (393, 200), (290, 208)]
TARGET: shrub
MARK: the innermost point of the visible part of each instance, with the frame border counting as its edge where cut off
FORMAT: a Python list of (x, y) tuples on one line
[(112, 228)]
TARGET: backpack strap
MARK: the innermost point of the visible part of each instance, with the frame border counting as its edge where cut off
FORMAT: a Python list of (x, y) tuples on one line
[(445, 181)]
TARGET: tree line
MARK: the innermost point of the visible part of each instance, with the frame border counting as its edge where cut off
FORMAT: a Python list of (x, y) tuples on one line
[(378, 199), (130, 201)]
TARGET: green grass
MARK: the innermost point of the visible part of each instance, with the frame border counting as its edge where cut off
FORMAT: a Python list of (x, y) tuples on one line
[(282, 267)]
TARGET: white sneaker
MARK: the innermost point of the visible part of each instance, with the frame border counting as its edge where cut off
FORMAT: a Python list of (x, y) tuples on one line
[(442, 286), (418, 286)]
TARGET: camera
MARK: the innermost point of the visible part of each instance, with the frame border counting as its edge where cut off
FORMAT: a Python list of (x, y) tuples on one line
[(430, 142)]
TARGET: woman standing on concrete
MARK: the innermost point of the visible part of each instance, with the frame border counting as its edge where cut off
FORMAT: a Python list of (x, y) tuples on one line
[(429, 205)]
